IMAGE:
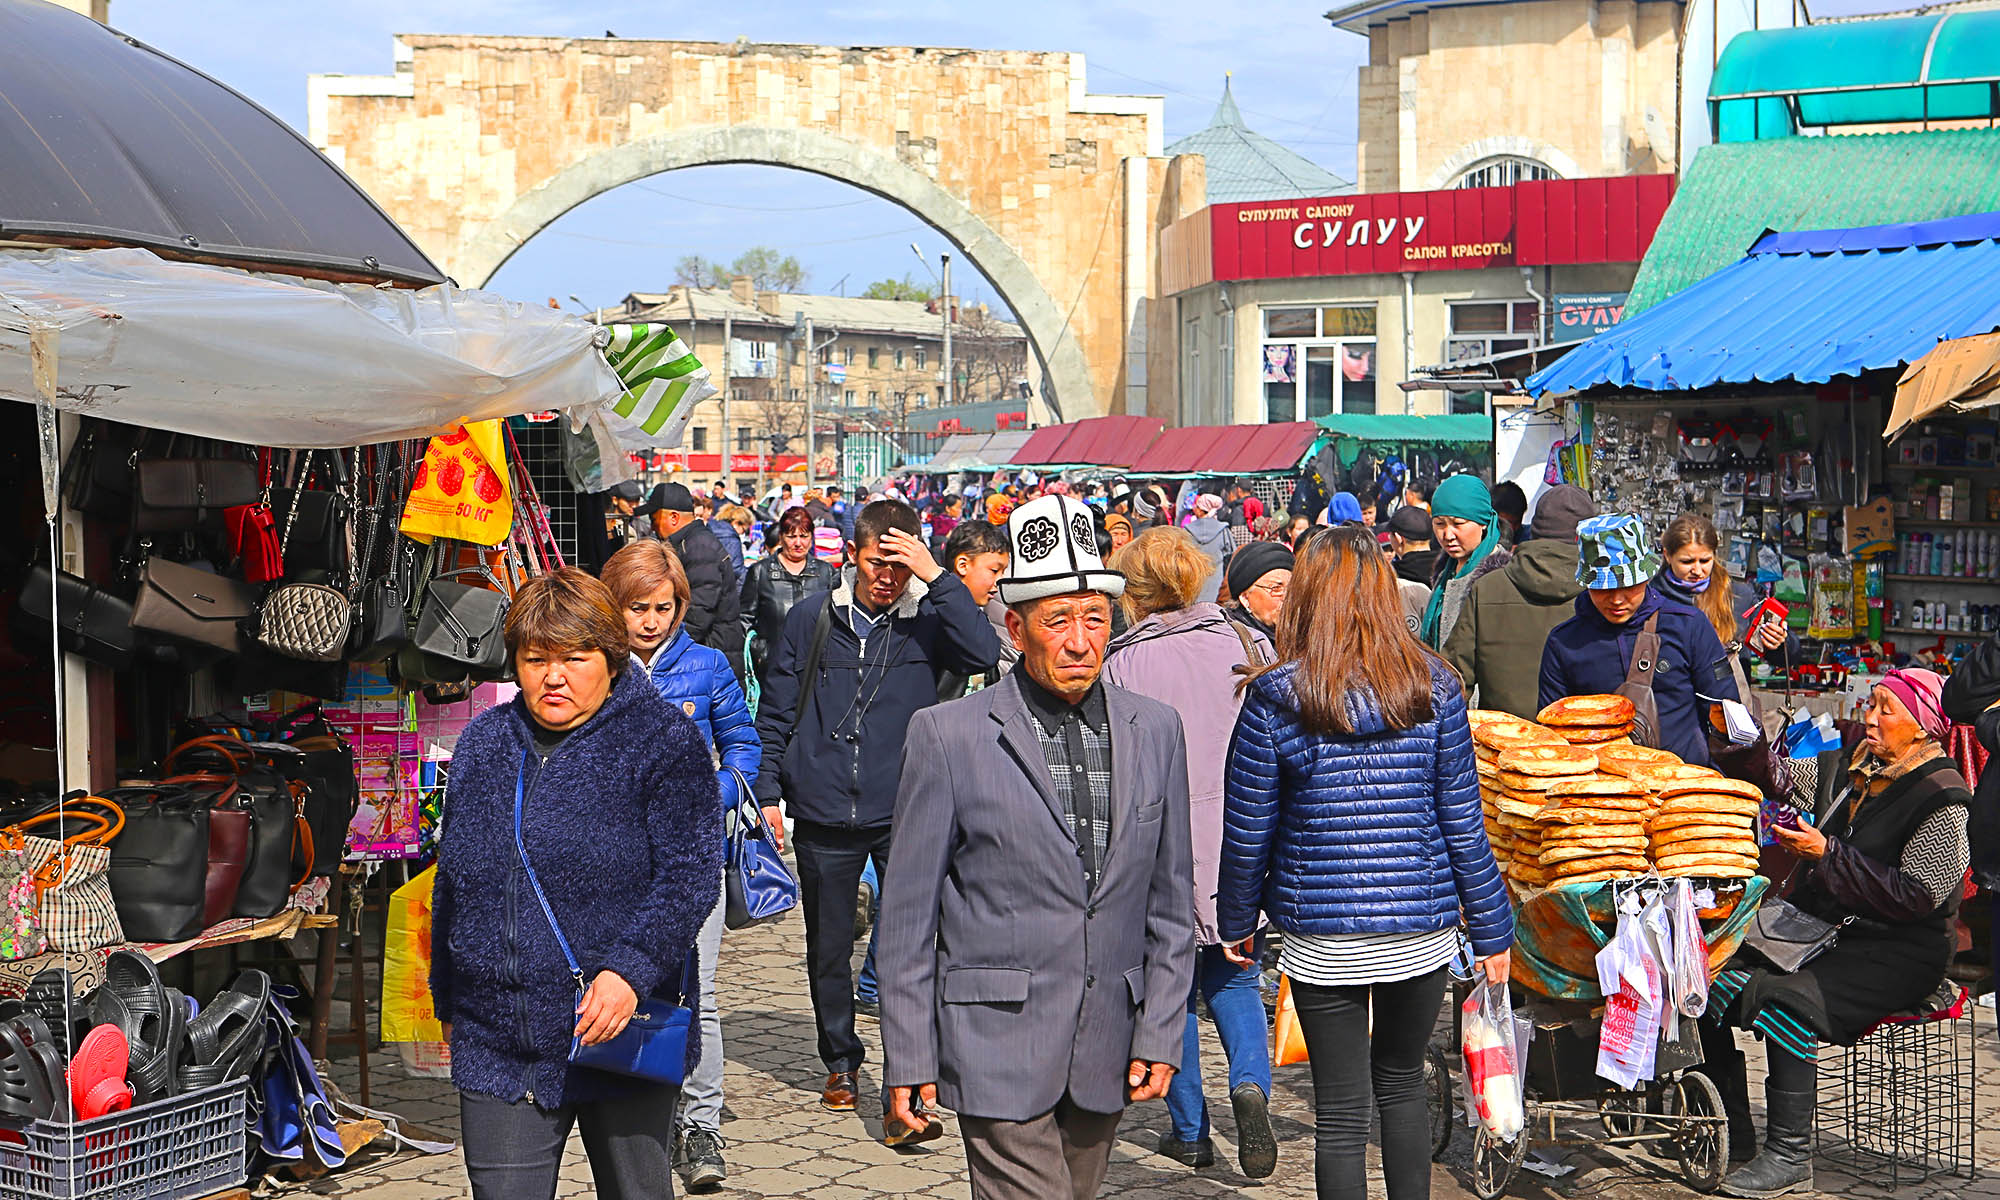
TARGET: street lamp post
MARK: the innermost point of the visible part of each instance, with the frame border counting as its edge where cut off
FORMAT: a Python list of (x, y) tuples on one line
[(944, 312)]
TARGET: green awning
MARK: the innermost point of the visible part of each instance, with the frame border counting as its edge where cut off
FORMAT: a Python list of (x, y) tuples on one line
[(1772, 82), (1400, 428), (1731, 195)]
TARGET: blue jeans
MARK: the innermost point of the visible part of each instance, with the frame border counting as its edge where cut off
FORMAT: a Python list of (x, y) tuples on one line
[(867, 987), (1236, 1004)]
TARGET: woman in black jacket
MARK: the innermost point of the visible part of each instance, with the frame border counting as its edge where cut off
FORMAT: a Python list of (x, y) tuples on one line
[(1886, 864), (1972, 697), (780, 580)]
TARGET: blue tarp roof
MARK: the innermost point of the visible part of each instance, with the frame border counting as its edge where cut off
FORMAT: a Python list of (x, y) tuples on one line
[(1804, 307)]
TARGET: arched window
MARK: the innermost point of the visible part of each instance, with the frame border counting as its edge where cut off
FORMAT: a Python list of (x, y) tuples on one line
[(1504, 170)]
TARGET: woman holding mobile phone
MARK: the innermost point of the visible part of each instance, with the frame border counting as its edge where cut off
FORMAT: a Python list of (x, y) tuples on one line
[(1693, 573)]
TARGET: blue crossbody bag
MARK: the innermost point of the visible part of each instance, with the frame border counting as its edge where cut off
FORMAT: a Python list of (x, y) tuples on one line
[(653, 1045)]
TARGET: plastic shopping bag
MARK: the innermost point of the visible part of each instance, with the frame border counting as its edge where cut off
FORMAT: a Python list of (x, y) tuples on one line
[(1687, 970), (1493, 1055), (461, 490), (1634, 989), (408, 1014), (1288, 1040)]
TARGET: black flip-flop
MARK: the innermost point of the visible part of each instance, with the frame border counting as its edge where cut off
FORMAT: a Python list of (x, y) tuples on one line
[(51, 995), (227, 1039), (25, 1090)]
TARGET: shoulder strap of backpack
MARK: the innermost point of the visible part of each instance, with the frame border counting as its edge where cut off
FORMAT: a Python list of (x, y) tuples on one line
[(1251, 654), (809, 677)]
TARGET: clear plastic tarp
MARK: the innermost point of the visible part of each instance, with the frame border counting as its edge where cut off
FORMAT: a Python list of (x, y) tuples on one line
[(270, 359)]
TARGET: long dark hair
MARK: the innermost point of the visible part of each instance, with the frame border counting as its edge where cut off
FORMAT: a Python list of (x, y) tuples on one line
[(1343, 625)]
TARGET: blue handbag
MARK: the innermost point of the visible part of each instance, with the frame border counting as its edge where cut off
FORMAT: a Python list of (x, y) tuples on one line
[(654, 1043), (757, 887)]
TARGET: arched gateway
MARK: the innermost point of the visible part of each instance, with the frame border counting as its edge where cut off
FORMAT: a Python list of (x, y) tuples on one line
[(477, 143)]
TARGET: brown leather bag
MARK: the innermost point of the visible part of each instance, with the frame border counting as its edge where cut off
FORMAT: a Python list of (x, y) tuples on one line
[(180, 601)]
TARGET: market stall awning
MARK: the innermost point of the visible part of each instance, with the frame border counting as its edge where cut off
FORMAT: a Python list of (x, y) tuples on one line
[(276, 360), (1092, 442), (1228, 449), (105, 140), (1962, 374), (1408, 428), (954, 449), (998, 451), (1804, 307)]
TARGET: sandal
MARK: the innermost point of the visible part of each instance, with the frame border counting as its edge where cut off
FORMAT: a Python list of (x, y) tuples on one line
[(227, 1039), (97, 1074), (51, 996), (153, 1018), (26, 1091)]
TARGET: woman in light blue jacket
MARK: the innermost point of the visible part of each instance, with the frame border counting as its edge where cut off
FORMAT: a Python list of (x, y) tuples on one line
[(651, 588)]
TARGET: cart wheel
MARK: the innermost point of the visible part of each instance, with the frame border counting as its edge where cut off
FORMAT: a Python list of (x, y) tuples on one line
[(1623, 1113), (1703, 1145), (1494, 1162), (1440, 1100)]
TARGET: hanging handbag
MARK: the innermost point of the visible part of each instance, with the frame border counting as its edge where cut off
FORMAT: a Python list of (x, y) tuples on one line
[(382, 618), (159, 869), (320, 766), (311, 621), (186, 602), (265, 797), (252, 535), (465, 624), (72, 876), (102, 466), (757, 886), (21, 934), (173, 494), (318, 520), (654, 1043), (1788, 937), (94, 624)]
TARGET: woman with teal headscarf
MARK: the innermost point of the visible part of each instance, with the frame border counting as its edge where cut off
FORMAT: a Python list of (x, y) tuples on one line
[(1467, 532)]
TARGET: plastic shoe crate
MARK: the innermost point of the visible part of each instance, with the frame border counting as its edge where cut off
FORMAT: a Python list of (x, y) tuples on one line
[(173, 1149)]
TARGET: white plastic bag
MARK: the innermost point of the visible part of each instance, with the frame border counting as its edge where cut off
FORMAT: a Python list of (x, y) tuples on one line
[(1634, 993), (1494, 1090), (1687, 971)]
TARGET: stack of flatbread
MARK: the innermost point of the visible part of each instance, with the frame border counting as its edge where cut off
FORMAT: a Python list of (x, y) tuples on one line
[(1524, 776), (1590, 720), (1594, 829), (1706, 827), (1494, 733)]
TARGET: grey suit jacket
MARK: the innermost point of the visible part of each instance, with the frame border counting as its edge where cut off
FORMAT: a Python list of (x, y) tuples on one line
[(1002, 981)]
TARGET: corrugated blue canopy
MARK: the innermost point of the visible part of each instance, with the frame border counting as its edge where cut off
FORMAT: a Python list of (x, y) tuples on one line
[(1803, 307)]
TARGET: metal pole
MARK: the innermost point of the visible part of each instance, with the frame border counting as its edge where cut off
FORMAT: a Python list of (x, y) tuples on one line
[(945, 308), (812, 389), (725, 472)]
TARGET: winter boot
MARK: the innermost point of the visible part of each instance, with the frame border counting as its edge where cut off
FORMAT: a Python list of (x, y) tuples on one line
[(1786, 1162), (1723, 1064)]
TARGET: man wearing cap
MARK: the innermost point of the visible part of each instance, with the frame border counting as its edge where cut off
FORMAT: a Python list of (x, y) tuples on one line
[(1628, 637), (1038, 922), (1496, 647), (713, 616), (1410, 544)]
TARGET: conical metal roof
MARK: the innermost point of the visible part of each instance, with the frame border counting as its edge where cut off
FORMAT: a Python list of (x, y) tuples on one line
[(1245, 165)]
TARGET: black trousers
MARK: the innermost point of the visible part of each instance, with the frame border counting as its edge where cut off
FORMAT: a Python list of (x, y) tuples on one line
[(513, 1151), (831, 859), (1350, 1068)]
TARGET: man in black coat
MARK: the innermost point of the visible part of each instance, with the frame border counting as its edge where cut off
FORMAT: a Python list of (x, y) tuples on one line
[(713, 618)]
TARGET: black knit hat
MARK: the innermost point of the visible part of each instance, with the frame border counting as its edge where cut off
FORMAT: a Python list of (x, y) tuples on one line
[(1253, 562)]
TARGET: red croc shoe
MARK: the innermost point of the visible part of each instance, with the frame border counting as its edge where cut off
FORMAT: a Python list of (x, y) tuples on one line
[(97, 1074)]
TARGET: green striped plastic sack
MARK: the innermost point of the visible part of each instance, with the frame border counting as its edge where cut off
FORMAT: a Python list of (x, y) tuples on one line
[(663, 383)]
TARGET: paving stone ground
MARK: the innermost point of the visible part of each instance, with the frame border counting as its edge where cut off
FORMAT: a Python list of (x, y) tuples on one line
[(783, 1145)]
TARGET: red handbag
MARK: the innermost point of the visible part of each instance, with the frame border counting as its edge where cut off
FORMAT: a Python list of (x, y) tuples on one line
[(253, 533)]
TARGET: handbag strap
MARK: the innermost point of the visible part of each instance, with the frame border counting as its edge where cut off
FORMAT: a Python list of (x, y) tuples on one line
[(521, 846), (235, 749), (292, 512)]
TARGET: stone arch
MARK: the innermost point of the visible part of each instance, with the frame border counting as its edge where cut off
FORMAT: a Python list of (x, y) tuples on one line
[(1504, 145), (485, 246)]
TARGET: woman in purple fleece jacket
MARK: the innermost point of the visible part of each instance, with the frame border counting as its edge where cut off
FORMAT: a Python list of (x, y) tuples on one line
[(621, 818)]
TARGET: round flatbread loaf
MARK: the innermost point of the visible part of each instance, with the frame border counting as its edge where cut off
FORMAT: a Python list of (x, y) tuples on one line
[(1623, 863), (1522, 871), (1510, 732), (1697, 833), (1588, 710), (1479, 718), (1663, 775), (1600, 785), (1620, 760), (1720, 786), (1585, 815), (1708, 870), (1530, 784), (1635, 842), (1679, 819), (1677, 858), (1553, 855), (1710, 802), (1593, 878), (1588, 735), (1740, 847), (1518, 808), (1562, 759)]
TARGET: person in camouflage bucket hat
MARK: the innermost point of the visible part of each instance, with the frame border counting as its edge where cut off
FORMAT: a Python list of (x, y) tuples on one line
[(1615, 551)]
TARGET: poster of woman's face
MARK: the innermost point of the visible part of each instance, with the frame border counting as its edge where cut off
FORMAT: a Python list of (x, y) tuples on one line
[(1280, 364), (1357, 363)]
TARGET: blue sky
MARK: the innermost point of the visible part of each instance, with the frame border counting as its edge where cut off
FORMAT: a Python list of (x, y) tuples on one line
[(1294, 78)]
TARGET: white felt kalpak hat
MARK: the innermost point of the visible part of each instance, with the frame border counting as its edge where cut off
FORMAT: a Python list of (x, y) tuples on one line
[(1054, 552)]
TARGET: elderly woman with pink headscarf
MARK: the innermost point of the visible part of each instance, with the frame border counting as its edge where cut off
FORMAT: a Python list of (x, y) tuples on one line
[(1885, 866), (1211, 536)]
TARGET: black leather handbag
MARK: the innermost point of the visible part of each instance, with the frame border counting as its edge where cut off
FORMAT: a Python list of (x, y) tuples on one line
[(186, 493), (94, 623), (159, 863), (1788, 937), (464, 623), (322, 767), (101, 468), (382, 614), (267, 875)]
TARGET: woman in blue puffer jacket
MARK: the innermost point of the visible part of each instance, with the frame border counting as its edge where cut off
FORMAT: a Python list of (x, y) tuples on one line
[(652, 590), (1351, 817)]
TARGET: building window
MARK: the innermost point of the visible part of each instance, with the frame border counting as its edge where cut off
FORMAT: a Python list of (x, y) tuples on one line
[(1505, 170), (1318, 361), (874, 356), (899, 358), (698, 439), (874, 398), (849, 395), (847, 355), (1482, 328), (792, 394), (923, 358), (742, 439), (940, 395)]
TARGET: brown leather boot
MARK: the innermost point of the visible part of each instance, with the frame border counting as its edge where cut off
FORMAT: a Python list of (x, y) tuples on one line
[(838, 1094)]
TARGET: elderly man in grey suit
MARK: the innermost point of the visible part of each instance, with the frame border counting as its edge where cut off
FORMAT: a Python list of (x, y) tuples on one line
[(1037, 932)]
